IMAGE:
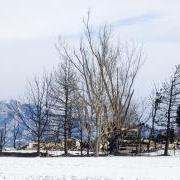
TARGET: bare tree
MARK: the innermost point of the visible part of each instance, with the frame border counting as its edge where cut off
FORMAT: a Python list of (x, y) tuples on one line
[(34, 113), (63, 89), (170, 100)]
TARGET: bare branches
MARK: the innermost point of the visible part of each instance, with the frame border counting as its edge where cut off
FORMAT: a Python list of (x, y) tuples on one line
[(170, 99), (34, 114), (108, 73), (64, 86)]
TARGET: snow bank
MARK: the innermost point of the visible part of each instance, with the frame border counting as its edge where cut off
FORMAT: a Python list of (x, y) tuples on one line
[(102, 168)]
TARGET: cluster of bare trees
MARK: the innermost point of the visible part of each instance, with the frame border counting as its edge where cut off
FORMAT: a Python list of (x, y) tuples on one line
[(89, 97), (165, 107), (91, 91)]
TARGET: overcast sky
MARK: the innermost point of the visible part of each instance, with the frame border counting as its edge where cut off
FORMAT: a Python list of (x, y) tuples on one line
[(30, 28)]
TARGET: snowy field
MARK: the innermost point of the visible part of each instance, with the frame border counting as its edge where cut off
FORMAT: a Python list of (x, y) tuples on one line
[(102, 168)]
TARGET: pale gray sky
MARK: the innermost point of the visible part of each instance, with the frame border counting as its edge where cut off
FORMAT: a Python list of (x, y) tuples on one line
[(29, 29)]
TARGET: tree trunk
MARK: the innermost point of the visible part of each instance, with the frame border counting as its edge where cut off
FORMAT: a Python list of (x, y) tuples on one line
[(1, 149), (168, 122), (167, 139), (14, 143), (66, 123), (97, 147), (65, 137), (81, 141), (97, 141), (38, 146), (140, 142), (88, 144)]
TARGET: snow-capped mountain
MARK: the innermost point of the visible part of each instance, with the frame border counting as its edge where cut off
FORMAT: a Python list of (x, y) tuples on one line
[(6, 114)]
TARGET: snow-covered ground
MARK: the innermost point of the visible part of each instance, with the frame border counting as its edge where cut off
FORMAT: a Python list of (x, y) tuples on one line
[(102, 168)]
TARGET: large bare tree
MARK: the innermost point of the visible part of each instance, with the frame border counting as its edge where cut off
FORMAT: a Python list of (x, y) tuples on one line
[(108, 72)]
